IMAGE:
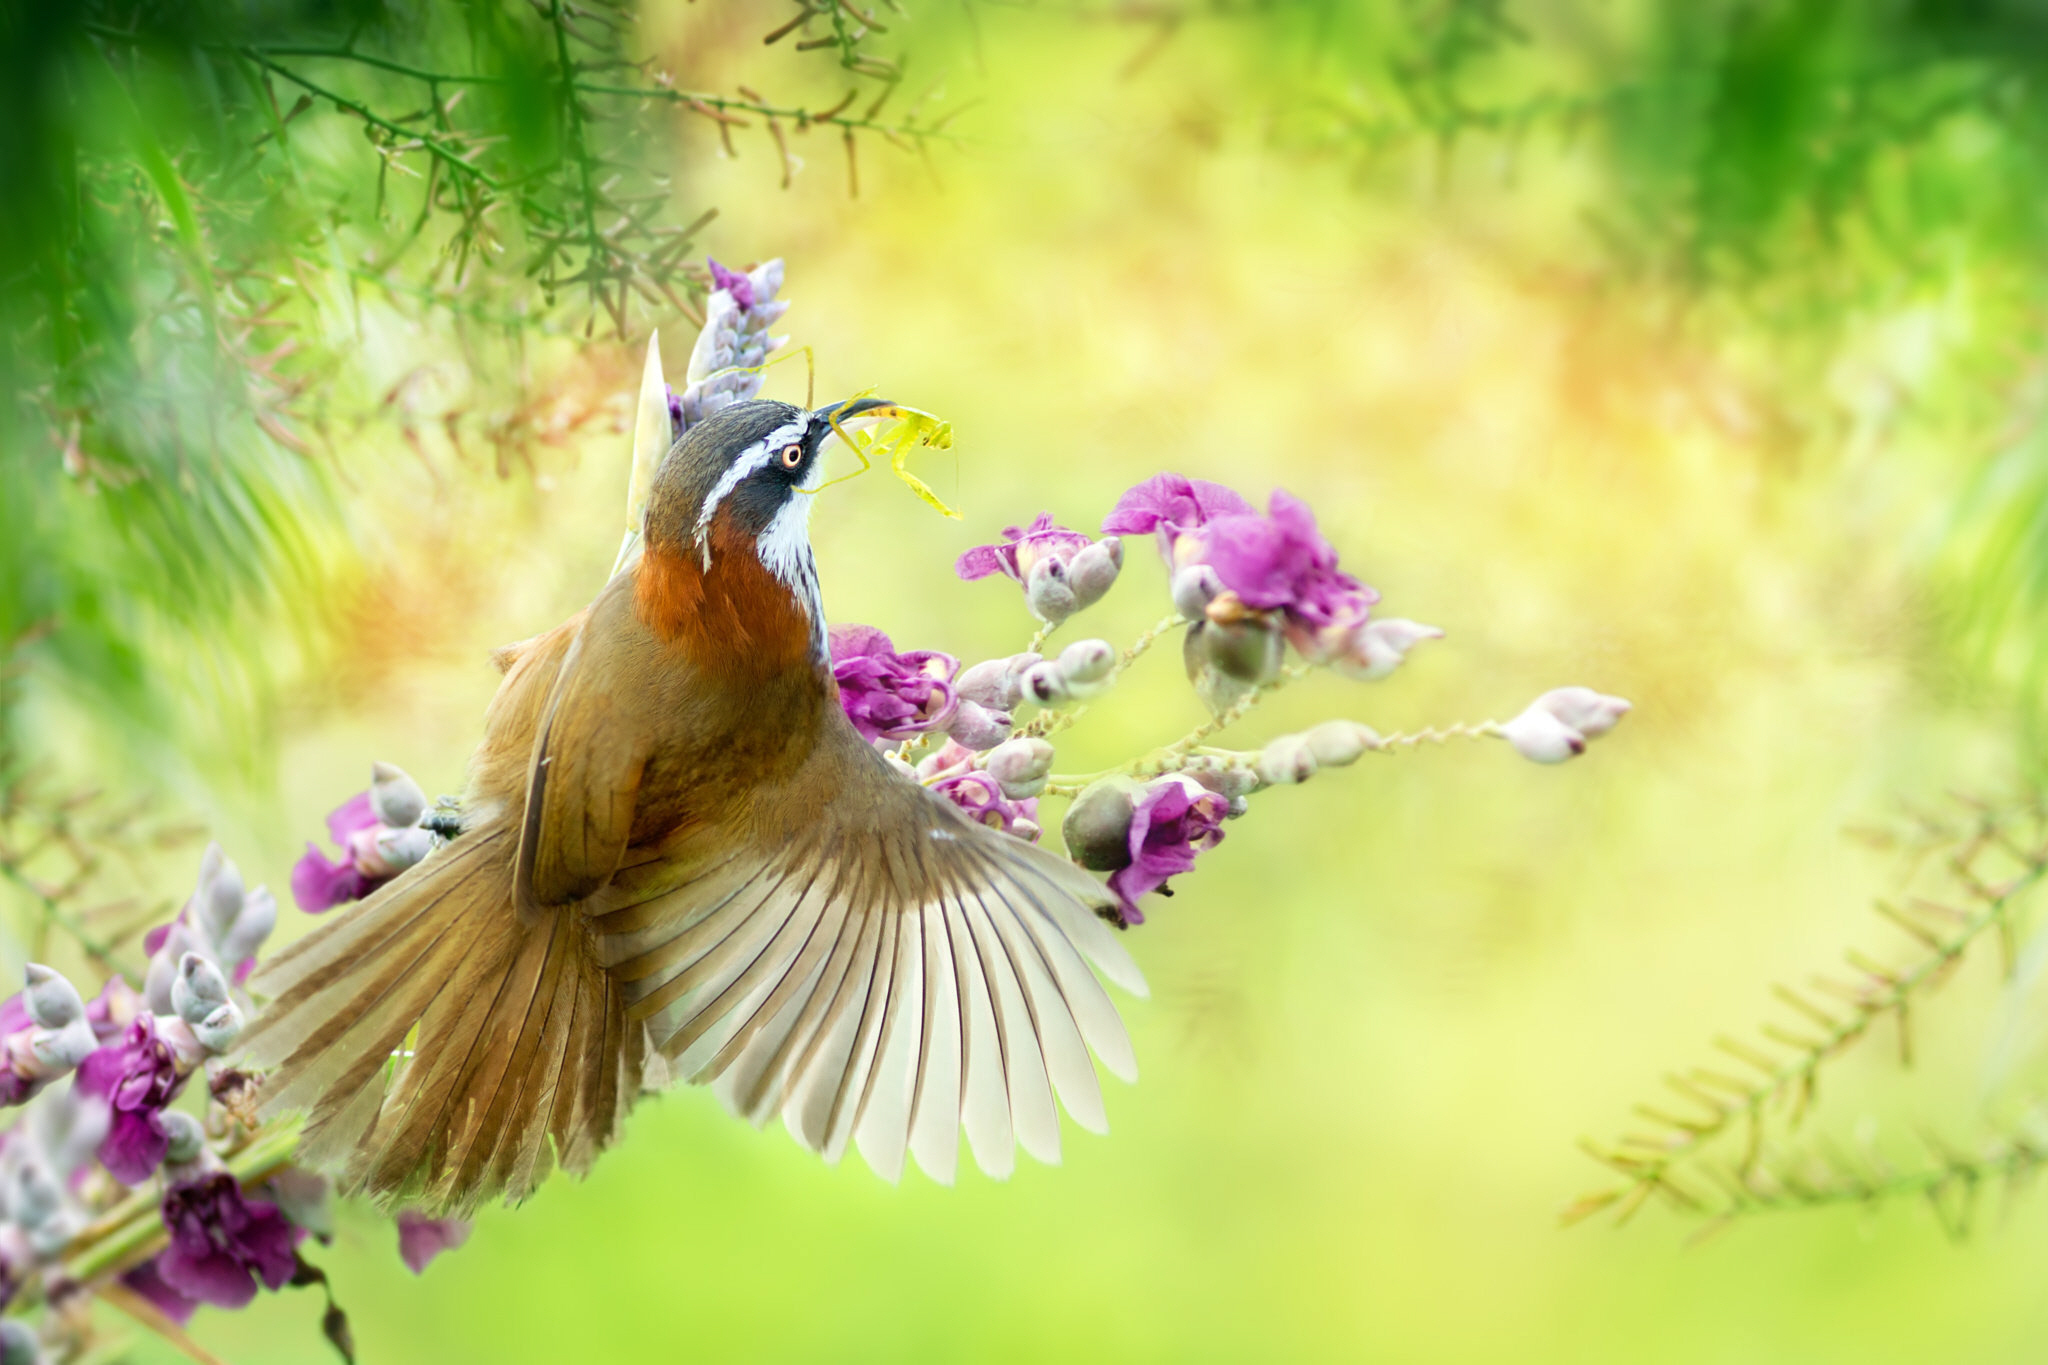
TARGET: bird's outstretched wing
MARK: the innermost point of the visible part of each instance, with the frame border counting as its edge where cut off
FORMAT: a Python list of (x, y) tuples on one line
[(877, 968)]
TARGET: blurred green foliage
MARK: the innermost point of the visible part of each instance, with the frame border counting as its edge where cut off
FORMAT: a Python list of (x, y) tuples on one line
[(1689, 350)]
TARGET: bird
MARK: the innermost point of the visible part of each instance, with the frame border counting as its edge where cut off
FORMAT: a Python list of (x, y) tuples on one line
[(678, 860)]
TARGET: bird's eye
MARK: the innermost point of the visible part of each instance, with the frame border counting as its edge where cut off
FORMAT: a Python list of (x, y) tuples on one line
[(792, 456)]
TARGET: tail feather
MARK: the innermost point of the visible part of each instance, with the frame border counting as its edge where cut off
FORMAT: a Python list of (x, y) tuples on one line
[(522, 1054)]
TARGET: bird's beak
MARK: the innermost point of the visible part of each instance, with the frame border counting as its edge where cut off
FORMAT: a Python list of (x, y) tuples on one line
[(851, 408)]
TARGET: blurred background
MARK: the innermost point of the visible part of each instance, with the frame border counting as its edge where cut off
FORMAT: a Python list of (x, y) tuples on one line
[(1692, 352)]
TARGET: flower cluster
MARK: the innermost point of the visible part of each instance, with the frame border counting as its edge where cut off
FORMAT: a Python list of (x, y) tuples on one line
[(104, 1090), (380, 834), (1247, 588), (724, 366)]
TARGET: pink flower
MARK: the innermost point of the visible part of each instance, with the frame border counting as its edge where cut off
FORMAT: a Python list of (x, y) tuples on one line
[(1175, 819), (223, 1243), (732, 282), (1173, 505), (889, 695), (981, 796), (320, 883), (421, 1239), (147, 1281), (1280, 562), (1021, 549), (137, 1078)]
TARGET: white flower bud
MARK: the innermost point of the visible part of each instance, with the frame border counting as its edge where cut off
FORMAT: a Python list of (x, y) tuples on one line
[(35, 1198), (1583, 709), (1044, 684), (1194, 588), (1377, 648), (1231, 779), (218, 1031), (1238, 806), (1286, 760), (976, 727), (1020, 766), (988, 684), (1338, 743), (1087, 661), (1093, 570), (198, 989), (251, 927), (395, 797), (61, 1049), (1047, 592), (188, 1138), (52, 1001), (1541, 737), (900, 765), (219, 898), (399, 849)]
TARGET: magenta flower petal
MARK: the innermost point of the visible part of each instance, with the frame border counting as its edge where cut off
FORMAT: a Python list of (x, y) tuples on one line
[(223, 1243), (421, 1239), (1021, 548), (1175, 819), (351, 817), (14, 1014), (1171, 504), (889, 695), (136, 1078), (733, 282), (982, 798), (146, 1281), (320, 883)]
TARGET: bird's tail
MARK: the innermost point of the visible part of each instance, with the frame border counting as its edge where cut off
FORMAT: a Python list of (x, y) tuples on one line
[(442, 1051)]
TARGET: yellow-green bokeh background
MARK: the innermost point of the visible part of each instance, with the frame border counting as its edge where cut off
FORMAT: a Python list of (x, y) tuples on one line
[(1392, 1001)]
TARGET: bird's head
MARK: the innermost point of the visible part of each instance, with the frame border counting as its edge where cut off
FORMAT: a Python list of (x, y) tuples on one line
[(739, 482)]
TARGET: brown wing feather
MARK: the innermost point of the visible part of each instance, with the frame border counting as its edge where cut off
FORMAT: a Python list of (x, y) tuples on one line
[(865, 960), (587, 761)]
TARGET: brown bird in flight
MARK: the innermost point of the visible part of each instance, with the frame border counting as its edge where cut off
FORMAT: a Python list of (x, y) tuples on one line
[(679, 860)]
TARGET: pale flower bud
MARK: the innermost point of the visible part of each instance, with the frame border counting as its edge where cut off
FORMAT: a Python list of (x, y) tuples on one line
[(1087, 661), (1230, 779), (251, 927), (1339, 743), (61, 1049), (1047, 592), (1286, 760), (1020, 767), (220, 1028), (1097, 827), (52, 1000), (198, 989), (398, 849), (976, 727), (1044, 683), (1093, 570), (992, 683), (1194, 588), (188, 1139), (219, 898), (1583, 709), (1376, 649), (1541, 737), (395, 797)]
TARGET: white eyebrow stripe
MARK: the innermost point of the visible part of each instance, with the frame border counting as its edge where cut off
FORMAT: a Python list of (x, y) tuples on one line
[(752, 462)]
